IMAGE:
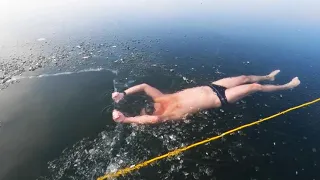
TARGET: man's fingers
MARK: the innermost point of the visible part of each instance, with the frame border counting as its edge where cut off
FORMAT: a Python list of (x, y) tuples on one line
[(115, 94), (115, 114)]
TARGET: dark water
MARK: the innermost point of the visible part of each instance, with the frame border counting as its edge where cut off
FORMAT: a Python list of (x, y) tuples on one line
[(56, 121)]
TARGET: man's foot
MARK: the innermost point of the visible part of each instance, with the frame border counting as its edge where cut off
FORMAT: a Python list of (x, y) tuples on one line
[(293, 83), (271, 76)]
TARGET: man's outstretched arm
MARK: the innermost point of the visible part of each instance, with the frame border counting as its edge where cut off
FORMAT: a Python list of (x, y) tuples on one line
[(149, 90), (144, 119)]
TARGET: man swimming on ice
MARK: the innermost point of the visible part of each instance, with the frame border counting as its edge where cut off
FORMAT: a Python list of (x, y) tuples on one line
[(179, 105)]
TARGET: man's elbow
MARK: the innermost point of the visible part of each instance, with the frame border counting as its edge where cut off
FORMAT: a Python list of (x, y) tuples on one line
[(145, 85)]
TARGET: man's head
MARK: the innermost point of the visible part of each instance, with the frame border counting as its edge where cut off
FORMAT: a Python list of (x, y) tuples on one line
[(139, 105), (148, 109)]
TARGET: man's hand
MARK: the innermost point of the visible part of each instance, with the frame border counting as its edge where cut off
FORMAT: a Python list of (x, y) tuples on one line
[(116, 96), (118, 116)]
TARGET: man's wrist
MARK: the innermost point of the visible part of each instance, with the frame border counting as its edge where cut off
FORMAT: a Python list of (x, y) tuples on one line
[(124, 93)]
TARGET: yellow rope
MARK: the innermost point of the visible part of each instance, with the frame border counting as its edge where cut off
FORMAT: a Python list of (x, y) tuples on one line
[(127, 170)]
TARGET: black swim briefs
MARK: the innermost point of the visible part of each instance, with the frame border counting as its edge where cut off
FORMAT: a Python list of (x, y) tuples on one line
[(221, 93)]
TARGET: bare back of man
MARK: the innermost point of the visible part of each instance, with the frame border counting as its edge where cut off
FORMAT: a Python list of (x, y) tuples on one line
[(178, 105)]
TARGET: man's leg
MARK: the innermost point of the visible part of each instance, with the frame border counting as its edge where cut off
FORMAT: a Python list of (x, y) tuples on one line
[(236, 93), (236, 81)]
